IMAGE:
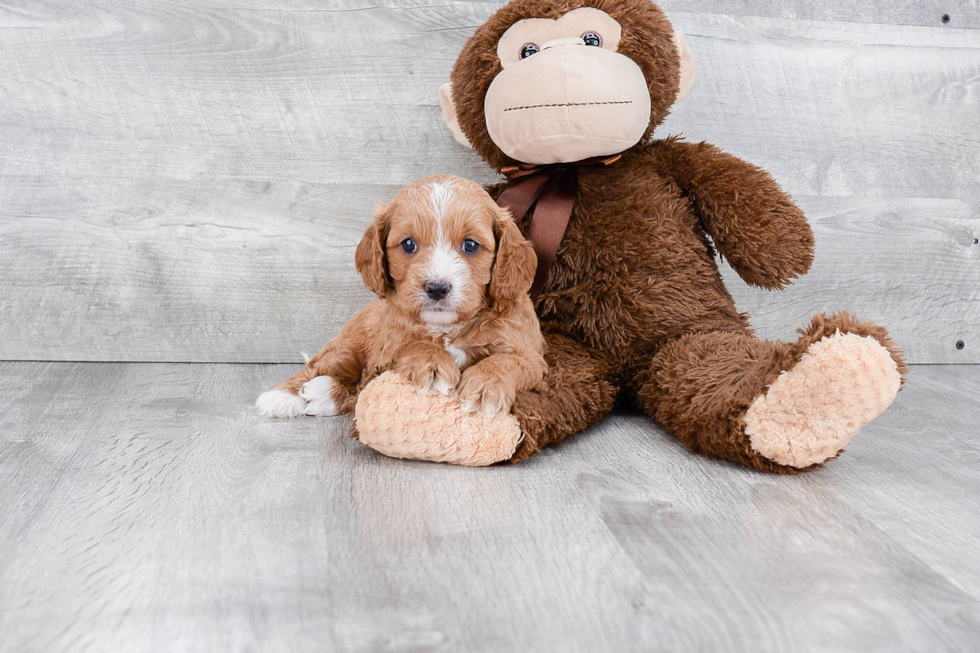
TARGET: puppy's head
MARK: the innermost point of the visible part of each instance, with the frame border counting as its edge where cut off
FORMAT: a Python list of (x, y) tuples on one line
[(442, 250)]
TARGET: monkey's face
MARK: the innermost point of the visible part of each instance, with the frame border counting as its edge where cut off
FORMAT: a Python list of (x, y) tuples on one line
[(564, 93), (538, 84)]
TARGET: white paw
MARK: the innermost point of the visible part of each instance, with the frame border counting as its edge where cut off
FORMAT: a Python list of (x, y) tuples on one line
[(442, 386), (318, 393), (483, 406), (279, 403)]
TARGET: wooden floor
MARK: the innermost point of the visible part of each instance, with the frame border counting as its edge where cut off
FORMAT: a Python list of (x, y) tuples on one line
[(145, 507)]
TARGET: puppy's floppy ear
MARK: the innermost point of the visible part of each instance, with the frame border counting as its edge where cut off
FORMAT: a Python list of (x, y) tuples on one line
[(516, 262), (370, 256)]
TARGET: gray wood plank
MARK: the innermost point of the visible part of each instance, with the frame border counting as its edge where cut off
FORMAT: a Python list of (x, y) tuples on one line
[(185, 181), (146, 507), (961, 13), (220, 270), (242, 271), (275, 95), (911, 265), (839, 109)]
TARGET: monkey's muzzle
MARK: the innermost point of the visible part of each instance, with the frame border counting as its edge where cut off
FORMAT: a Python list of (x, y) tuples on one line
[(568, 103)]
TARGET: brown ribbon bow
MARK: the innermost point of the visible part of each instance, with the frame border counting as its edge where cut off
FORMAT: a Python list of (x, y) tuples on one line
[(551, 190)]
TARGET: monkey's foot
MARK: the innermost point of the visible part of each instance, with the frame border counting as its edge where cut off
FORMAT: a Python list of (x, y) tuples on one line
[(397, 419), (811, 412)]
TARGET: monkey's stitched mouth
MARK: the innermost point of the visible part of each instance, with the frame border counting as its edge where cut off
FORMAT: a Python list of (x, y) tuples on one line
[(566, 104)]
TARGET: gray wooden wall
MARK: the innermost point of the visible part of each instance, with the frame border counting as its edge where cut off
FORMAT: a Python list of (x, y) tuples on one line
[(187, 180)]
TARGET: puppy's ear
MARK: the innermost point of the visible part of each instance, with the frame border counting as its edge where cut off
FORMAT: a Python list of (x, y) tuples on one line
[(516, 262), (370, 258)]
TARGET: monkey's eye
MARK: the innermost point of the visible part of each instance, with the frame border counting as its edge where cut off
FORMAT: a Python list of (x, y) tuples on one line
[(470, 246), (593, 39), (409, 246), (528, 50)]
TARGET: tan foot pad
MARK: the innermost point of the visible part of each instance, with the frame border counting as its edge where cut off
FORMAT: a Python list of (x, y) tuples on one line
[(812, 411), (400, 421)]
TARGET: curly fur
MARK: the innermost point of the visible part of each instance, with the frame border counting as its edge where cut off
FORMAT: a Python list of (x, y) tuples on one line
[(489, 347)]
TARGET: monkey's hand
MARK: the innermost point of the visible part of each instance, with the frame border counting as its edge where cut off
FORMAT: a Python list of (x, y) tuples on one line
[(762, 234)]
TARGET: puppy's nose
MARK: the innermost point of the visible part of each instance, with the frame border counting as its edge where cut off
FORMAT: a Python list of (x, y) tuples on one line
[(436, 290)]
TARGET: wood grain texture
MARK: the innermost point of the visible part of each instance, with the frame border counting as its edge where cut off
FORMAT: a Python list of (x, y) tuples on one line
[(260, 272), (185, 181), (145, 507), (912, 265), (961, 13), (839, 109)]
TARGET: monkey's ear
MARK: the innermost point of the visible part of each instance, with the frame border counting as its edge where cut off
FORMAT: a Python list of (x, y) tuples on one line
[(449, 113), (689, 69)]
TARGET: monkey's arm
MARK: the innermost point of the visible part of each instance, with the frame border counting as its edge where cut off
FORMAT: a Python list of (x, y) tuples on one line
[(762, 234)]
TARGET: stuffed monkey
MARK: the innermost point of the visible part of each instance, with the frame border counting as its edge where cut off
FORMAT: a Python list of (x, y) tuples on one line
[(563, 97)]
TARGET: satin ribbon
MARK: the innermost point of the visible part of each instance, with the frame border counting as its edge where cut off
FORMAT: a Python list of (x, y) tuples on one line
[(551, 191)]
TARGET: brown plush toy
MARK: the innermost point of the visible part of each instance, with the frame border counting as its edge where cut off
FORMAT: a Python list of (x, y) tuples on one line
[(631, 301)]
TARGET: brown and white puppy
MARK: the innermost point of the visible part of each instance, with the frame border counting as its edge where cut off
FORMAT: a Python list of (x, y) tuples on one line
[(452, 272)]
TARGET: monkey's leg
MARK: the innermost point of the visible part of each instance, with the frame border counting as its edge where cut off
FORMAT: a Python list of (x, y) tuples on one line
[(576, 393), (773, 406)]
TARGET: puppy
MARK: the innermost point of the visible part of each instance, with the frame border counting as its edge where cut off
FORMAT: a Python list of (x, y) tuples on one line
[(452, 273)]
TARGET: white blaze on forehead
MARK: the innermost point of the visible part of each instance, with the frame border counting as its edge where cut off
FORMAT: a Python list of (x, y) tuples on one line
[(445, 263), (440, 195)]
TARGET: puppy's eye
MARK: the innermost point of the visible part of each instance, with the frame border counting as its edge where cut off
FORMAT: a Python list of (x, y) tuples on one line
[(470, 246), (409, 246), (528, 50), (593, 39)]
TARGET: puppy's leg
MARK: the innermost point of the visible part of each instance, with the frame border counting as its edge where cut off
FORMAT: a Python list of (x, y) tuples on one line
[(328, 382), (278, 402), (324, 396), (490, 386), (428, 366), (308, 392), (322, 388)]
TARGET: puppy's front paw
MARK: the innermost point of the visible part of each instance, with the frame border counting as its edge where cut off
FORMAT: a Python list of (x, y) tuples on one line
[(486, 393), (438, 374), (279, 403), (320, 397)]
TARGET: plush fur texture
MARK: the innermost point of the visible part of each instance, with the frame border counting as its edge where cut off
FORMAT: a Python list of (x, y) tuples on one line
[(634, 305), (396, 420), (700, 386), (810, 412), (477, 340)]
